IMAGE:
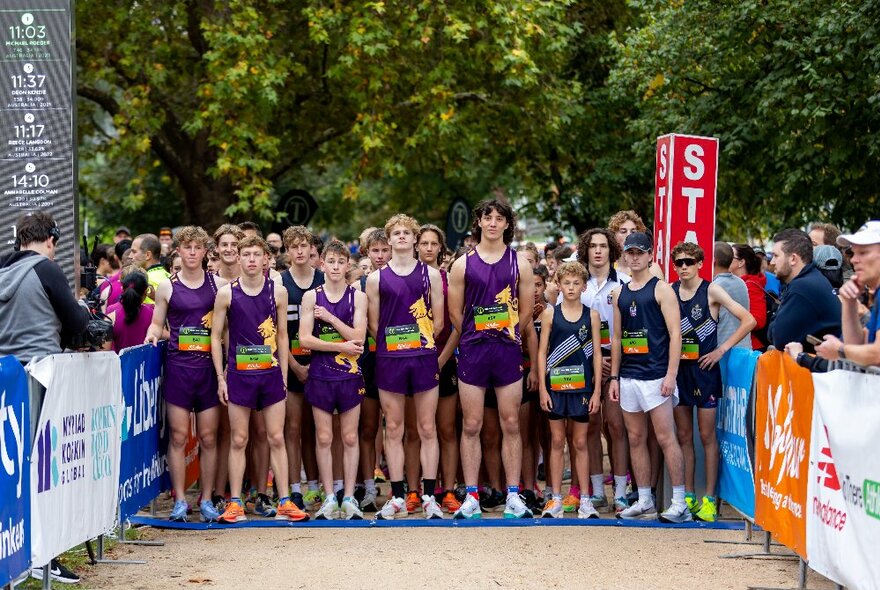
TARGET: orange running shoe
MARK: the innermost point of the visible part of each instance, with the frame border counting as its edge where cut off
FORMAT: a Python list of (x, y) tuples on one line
[(413, 502), (289, 511), (233, 513), (450, 503)]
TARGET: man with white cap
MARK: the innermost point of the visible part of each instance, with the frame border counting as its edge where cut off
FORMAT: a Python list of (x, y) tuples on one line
[(859, 345)]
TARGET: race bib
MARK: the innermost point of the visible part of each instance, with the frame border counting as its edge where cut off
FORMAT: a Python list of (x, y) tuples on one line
[(253, 358), (605, 332), (297, 349), (371, 344), (690, 348), (568, 378), (492, 317), (635, 342), (330, 334), (194, 339), (402, 337)]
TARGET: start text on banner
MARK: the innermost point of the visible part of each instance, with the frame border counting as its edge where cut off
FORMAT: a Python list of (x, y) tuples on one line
[(15, 442)]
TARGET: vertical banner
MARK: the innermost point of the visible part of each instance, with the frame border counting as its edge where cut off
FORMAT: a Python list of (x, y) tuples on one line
[(686, 184), (142, 465), (736, 479), (843, 522), (75, 462), (783, 424), (15, 437)]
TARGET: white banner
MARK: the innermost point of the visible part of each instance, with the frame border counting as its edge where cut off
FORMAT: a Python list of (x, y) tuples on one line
[(843, 520), (76, 452)]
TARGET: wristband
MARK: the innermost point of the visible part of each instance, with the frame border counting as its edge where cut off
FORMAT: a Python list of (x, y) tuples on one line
[(841, 352), (614, 377)]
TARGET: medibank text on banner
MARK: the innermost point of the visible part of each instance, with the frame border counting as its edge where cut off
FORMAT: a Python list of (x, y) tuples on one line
[(686, 183), (15, 437), (783, 423)]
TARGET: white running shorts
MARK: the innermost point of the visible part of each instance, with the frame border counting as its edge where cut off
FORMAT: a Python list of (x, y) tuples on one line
[(643, 396)]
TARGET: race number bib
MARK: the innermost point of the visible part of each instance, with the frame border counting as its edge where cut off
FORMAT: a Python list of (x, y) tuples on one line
[(492, 317), (253, 358), (568, 378), (402, 338), (690, 348), (297, 349), (635, 342), (190, 339), (330, 334), (605, 332)]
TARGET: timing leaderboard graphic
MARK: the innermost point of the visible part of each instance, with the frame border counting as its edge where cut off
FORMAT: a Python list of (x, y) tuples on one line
[(37, 120)]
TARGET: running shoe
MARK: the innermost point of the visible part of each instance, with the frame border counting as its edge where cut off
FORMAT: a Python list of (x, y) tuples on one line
[(515, 507), (250, 503), (287, 510), (586, 510), (263, 507), (570, 503), (620, 504), (234, 513), (379, 475), (208, 512), (460, 492), (413, 503), (368, 504), (297, 499), (351, 510), (393, 508), (359, 493), (552, 509), (692, 504), (178, 513), (57, 572), (707, 512), (450, 503), (676, 514), (541, 474), (470, 508), (313, 498), (328, 509), (431, 508), (639, 511), (492, 500), (531, 501), (219, 503), (600, 503)]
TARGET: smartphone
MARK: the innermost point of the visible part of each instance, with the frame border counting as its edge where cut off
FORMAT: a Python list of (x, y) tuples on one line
[(813, 340)]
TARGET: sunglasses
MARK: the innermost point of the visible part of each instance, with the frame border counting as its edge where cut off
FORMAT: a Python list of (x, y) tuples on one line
[(680, 262)]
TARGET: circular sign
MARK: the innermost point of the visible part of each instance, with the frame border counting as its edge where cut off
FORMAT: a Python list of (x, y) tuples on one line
[(459, 216)]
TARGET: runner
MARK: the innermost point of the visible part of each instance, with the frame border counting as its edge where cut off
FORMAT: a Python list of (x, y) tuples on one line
[(403, 297), (491, 292), (226, 238), (571, 374), (299, 424), (699, 375), (643, 377), (186, 301), (334, 325), (257, 349)]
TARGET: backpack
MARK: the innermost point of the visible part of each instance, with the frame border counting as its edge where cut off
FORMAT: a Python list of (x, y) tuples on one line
[(772, 303)]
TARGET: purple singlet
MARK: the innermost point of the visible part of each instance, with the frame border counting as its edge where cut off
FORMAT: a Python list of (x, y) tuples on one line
[(491, 300), (406, 321), (133, 334), (333, 366), (253, 328), (190, 313)]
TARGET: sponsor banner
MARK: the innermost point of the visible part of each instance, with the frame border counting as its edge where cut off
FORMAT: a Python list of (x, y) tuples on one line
[(15, 439), (783, 423), (142, 466), (736, 478), (75, 460), (843, 522)]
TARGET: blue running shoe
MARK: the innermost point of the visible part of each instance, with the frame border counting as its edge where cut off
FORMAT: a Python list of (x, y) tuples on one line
[(178, 513), (208, 512)]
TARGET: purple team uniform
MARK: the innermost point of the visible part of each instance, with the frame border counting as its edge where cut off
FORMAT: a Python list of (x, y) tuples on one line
[(490, 350), (406, 353), (253, 374), (190, 380), (335, 382)]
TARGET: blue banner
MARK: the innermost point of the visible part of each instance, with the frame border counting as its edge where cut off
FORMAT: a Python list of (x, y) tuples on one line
[(15, 474), (142, 468), (736, 479)]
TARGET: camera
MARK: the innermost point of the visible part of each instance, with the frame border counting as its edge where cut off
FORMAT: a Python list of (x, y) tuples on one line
[(99, 329)]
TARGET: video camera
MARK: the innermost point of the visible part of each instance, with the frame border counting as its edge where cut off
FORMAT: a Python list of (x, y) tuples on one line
[(99, 329)]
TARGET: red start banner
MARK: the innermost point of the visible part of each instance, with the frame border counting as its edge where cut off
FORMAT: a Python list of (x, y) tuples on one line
[(686, 183)]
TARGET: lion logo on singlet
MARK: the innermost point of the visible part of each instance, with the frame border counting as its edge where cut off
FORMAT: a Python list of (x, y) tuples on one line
[(268, 331), (348, 361), (512, 304), (424, 319)]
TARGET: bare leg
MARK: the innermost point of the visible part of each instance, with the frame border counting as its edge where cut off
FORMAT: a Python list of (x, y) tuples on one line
[(239, 418), (706, 422), (426, 418), (472, 398), (324, 442), (581, 455), (446, 408), (684, 430), (368, 427), (509, 401), (393, 408), (223, 439), (490, 437), (348, 423), (260, 450), (412, 445), (293, 435), (179, 424), (273, 419), (557, 451), (206, 426)]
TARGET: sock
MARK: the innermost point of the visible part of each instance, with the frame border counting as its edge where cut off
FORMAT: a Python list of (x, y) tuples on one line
[(678, 494), (370, 484), (598, 481), (296, 488), (237, 500), (557, 497), (428, 486), (690, 495), (398, 489), (337, 485), (283, 500), (574, 491), (313, 485), (473, 491), (645, 496), (512, 490), (619, 486), (348, 499), (711, 499)]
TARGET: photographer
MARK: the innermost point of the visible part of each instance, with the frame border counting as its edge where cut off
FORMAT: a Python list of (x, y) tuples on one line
[(38, 314)]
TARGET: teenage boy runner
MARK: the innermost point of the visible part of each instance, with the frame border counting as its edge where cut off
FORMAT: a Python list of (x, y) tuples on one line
[(571, 373), (491, 295), (333, 326), (257, 350), (299, 424), (186, 301), (643, 380), (403, 297), (699, 375)]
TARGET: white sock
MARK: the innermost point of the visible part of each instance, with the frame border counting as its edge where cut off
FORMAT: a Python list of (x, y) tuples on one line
[(296, 488), (557, 497), (645, 496), (313, 485), (337, 485), (370, 484), (619, 486), (678, 494), (598, 481)]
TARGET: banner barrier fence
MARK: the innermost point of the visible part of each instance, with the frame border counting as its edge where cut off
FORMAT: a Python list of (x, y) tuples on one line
[(15, 442)]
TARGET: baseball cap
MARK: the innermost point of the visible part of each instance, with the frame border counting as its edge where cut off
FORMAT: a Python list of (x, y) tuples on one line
[(758, 250), (122, 230), (827, 257), (639, 241), (865, 236)]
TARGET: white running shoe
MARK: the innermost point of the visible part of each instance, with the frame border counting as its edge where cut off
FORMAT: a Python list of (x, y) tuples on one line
[(552, 509), (639, 511), (369, 501), (328, 509), (431, 508), (515, 507), (587, 510), (470, 508), (350, 510), (393, 508), (677, 514)]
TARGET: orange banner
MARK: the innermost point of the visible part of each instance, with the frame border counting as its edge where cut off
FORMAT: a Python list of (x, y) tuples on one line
[(783, 423)]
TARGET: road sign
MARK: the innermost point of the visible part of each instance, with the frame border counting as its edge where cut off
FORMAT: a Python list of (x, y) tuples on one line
[(458, 222), (299, 205)]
